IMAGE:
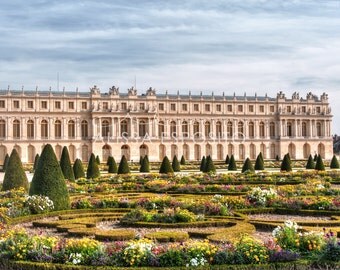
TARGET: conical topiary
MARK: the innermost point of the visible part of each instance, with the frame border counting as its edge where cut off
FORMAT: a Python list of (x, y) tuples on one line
[(4, 166), (112, 165), (286, 165), (310, 163), (36, 159), (334, 163), (123, 166), (209, 165), (140, 160), (15, 176), (319, 166), (182, 160), (48, 180), (259, 164), (261, 156), (175, 164), (166, 166), (277, 158), (65, 165), (145, 166), (247, 166), (78, 169), (92, 168), (98, 160), (232, 164), (203, 164), (315, 157), (227, 159)]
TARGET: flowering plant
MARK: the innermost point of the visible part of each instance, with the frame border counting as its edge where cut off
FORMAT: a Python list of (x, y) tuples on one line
[(260, 197), (39, 204), (287, 236), (250, 251), (137, 251)]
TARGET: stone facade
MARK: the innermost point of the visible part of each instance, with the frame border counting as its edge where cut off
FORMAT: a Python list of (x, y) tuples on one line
[(117, 123)]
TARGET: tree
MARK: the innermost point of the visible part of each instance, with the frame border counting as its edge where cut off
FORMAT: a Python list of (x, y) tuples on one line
[(182, 160), (165, 166), (310, 163), (319, 166), (92, 168), (36, 159), (261, 156), (112, 165), (123, 166), (334, 163), (140, 160), (277, 158), (209, 165), (4, 166), (98, 160), (247, 166), (286, 165), (65, 164), (48, 180), (315, 157), (227, 159), (259, 164), (203, 164), (15, 176), (175, 164), (78, 169), (145, 166), (232, 164)]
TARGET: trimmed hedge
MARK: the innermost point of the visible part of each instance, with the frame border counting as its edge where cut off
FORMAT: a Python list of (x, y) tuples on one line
[(286, 164), (247, 166), (78, 169), (166, 236), (232, 164), (319, 166), (115, 235), (92, 168), (65, 165), (310, 163), (209, 165), (123, 166), (203, 164), (334, 163), (259, 163), (166, 167), (112, 165), (175, 164)]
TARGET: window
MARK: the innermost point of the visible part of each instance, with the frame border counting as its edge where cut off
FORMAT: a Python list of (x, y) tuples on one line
[(303, 109), (30, 129), (173, 106), (105, 128), (304, 129), (44, 104), (16, 129), (229, 129), (105, 105), (71, 105), (196, 107), (272, 109), (218, 108), (207, 107), (207, 129), (161, 106), (142, 128), (44, 129), (318, 129), (318, 109), (262, 133), (218, 129), (240, 108), (240, 129), (84, 129), (161, 129), (2, 129), (289, 109), (272, 129), (57, 105), (262, 109), (71, 129), (251, 108), (2, 104), (84, 105), (173, 130), (289, 129), (124, 106), (142, 106), (30, 104), (184, 107), (196, 130), (229, 108), (16, 104), (57, 129), (185, 129), (124, 128), (251, 130)]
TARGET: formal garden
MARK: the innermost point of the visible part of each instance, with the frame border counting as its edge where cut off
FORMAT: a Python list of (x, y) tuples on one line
[(277, 214)]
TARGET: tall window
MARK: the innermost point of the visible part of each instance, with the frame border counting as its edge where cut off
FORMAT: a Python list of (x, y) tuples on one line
[(304, 129), (218, 129), (57, 129), (44, 129), (196, 129), (30, 129), (124, 131), (142, 127), (262, 133), (84, 129), (229, 129), (161, 128), (105, 128), (207, 129), (16, 129), (173, 130), (240, 130), (185, 129), (272, 129), (289, 129), (71, 129), (251, 130), (318, 129), (2, 129)]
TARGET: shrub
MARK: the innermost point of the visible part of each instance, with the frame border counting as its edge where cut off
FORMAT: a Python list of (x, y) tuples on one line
[(48, 180), (98, 160), (250, 251), (145, 166), (227, 160), (259, 163), (78, 169), (15, 176), (165, 166), (165, 236), (112, 165), (203, 164), (140, 160), (36, 159), (65, 164), (315, 157), (277, 158), (38, 204), (115, 235), (182, 160), (287, 236), (232, 164), (334, 163), (260, 197), (137, 252), (247, 166), (92, 168), (209, 165), (123, 166), (5, 163), (173, 258), (319, 166), (310, 163), (286, 164), (175, 164)]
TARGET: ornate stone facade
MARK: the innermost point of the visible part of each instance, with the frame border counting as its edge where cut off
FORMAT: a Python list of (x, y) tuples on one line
[(117, 123)]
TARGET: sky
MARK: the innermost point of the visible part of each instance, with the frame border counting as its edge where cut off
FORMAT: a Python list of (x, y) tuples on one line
[(252, 46)]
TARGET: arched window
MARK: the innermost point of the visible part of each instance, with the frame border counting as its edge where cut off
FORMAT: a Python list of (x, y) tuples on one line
[(318, 129), (174, 151), (30, 129), (126, 151), (241, 151), (124, 130), (84, 129), (84, 153), (262, 130), (208, 150), (57, 129), (218, 129), (161, 129), (251, 130), (162, 152), (304, 130), (252, 151), (143, 150), (230, 149), (44, 129), (2, 129), (272, 129), (71, 129), (207, 129), (240, 129), (321, 150), (16, 129), (220, 152), (197, 151), (186, 151), (306, 150), (106, 152), (142, 128), (230, 129), (173, 129), (196, 129), (185, 129), (289, 129), (292, 150), (105, 128)]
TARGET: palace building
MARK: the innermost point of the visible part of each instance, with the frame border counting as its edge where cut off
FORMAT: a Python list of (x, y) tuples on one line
[(134, 125)]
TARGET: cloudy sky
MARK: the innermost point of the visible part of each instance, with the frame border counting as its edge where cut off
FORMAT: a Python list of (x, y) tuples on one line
[(232, 46)]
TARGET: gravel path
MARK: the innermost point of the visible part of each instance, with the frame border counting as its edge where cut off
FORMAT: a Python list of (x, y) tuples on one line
[(275, 217)]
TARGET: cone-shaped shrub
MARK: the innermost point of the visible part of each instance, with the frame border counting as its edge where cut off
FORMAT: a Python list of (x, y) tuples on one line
[(310, 163), (247, 166), (166, 166), (232, 164), (15, 176), (315, 157), (286, 165), (261, 156), (123, 166), (112, 165), (277, 158), (48, 180), (175, 164), (209, 165), (92, 168), (319, 166), (203, 164), (78, 169), (288, 156), (65, 164), (182, 160), (36, 159), (145, 166), (5, 162), (259, 164), (334, 163), (227, 159), (98, 160), (140, 160)]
